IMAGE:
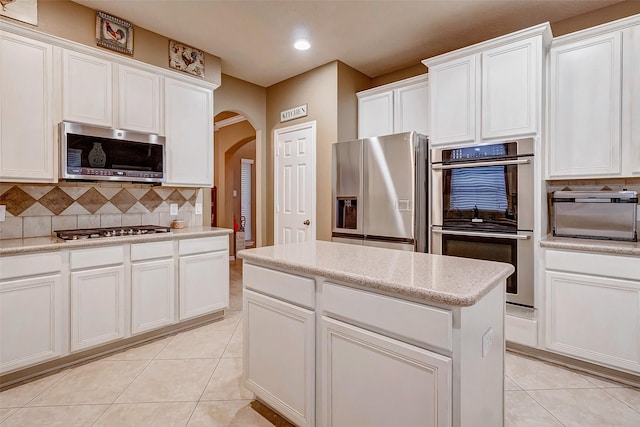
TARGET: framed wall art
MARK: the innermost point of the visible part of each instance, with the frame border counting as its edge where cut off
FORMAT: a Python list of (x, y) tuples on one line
[(114, 33), (186, 58), (20, 10)]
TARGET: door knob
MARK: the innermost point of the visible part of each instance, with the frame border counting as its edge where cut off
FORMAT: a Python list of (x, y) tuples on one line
[(307, 222)]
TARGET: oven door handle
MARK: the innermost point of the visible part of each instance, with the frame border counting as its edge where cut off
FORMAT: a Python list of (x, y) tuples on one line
[(483, 234), (439, 166)]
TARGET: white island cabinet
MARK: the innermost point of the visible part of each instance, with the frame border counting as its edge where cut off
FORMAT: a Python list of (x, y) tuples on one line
[(337, 335)]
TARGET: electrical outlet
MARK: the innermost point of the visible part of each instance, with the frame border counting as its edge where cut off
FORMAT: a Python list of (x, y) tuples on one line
[(198, 208), (173, 209), (3, 212), (487, 338)]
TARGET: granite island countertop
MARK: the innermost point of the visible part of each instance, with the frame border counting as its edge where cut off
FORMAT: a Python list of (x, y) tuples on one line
[(44, 244), (433, 278), (591, 245)]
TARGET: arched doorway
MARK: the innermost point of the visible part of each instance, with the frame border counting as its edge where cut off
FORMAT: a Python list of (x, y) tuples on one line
[(234, 175)]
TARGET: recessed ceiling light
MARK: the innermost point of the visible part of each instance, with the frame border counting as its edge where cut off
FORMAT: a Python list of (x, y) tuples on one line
[(302, 44)]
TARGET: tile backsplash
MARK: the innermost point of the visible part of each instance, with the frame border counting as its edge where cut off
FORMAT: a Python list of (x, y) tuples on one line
[(35, 210)]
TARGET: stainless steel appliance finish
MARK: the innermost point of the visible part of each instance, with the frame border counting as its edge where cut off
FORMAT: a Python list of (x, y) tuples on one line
[(95, 233), (604, 215), (379, 191), (483, 208), (126, 156)]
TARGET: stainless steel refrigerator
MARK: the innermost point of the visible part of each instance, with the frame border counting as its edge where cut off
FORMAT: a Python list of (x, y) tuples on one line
[(379, 190)]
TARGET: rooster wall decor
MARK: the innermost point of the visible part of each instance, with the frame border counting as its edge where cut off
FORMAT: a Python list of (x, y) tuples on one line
[(186, 58), (4, 4), (21, 10), (114, 33)]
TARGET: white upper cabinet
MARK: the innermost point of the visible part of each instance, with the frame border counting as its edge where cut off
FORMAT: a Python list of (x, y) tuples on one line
[(511, 90), (139, 100), (453, 101), (394, 108), (585, 107), (27, 129), (189, 132), (87, 89), (594, 102), (489, 91), (375, 114), (631, 101)]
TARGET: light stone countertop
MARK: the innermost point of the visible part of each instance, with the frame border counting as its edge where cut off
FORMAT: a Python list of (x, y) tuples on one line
[(433, 278), (592, 245), (44, 244)]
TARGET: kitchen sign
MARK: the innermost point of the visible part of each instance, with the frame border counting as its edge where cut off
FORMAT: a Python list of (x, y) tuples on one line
[(293, 113)]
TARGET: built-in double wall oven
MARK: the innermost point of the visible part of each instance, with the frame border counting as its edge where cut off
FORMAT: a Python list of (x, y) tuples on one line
[(483, 208)]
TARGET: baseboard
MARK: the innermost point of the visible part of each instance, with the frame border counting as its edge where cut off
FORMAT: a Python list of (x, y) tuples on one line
[(521, 330), (575, 364)]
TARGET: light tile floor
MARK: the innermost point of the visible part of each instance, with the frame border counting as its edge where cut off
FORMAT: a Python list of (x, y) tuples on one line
[(193, 378)]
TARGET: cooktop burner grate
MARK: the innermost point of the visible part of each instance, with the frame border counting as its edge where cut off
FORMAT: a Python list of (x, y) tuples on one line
[(94, 233)]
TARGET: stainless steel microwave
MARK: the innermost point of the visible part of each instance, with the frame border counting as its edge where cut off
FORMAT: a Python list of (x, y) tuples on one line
[(104, 154)]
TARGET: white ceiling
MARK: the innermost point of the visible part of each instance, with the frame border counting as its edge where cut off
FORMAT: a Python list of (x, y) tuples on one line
[(254, 37)]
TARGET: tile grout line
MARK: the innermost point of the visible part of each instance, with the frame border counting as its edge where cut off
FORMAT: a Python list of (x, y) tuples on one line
[(545, 408), (620, 400), (214, 371), (134, 378)]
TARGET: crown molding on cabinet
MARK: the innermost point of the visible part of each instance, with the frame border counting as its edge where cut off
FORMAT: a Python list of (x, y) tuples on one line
[(99, 53), (390, 86), (607, 27), (541, 29)]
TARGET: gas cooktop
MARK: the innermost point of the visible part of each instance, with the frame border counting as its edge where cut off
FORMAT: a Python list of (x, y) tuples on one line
[(94, 233)]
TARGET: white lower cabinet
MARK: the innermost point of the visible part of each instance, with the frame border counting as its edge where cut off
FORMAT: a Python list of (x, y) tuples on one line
[(31, 315), (279, 356), (204, 276), (34, 315), (593, 308), (369, 379), (97, 296), (97, 306), (153, 286), (152, 295)]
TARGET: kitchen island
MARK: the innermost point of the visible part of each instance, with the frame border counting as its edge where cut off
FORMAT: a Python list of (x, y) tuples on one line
[(347, 335)]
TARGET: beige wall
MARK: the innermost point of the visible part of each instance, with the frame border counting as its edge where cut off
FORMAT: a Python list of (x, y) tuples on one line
[(75, 22), (250, 101), (329, 91), (227, 141), (318, 89), (234, 181), (350, 81)]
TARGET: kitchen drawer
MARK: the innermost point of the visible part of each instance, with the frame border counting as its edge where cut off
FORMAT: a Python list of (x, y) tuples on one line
[(140, 251), (96, 257), (203, 244), (295, 289), (396, 318), (615, 266), (29, 265)]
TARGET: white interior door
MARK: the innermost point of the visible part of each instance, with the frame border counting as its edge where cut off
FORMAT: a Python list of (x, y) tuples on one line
[(295, 183)]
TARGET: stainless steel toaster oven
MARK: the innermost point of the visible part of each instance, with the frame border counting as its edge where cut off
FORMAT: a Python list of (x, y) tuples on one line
[(604, 215)]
